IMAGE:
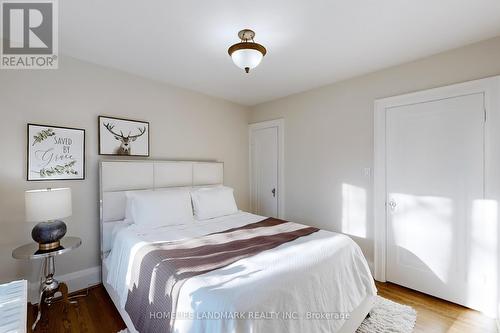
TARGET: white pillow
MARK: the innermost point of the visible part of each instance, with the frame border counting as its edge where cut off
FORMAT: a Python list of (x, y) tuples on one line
[(213, 202), (110, 229), (129, 195), (160, 208)]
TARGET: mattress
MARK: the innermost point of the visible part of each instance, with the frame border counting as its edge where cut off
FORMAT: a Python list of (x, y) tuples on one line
[(311, 284)]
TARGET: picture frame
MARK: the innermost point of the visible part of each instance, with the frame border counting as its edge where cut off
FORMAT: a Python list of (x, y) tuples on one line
[(123, 137), (55, 153)]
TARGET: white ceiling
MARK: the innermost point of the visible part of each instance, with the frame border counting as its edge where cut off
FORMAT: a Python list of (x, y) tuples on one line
[(310, 42)]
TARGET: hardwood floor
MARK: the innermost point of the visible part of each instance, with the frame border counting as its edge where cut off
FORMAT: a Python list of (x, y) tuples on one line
[(96, 313), (435, 315)]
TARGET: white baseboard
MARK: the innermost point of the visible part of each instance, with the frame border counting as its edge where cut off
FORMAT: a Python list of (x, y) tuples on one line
[(75, 281)]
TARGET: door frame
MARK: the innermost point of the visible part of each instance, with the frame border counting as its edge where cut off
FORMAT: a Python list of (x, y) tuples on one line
[(490, 87), (280, 125)]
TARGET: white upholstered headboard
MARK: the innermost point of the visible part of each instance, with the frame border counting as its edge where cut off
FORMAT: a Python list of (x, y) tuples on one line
[(119, 176)]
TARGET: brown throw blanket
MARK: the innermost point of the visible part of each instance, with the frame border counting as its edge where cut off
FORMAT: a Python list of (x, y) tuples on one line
[(160, 269)]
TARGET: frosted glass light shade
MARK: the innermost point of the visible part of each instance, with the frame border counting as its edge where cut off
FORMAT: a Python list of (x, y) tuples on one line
[(247, 58), (47, 204)]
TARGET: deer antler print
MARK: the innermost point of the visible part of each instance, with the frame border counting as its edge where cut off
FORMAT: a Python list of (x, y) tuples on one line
[(110, 127), (125, 141), (141, 132)]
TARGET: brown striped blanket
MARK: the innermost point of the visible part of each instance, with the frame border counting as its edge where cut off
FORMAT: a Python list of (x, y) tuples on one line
[(160, 269)]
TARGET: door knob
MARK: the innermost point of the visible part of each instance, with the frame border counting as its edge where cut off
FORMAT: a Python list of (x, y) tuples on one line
[(392, 204), (274, 192)]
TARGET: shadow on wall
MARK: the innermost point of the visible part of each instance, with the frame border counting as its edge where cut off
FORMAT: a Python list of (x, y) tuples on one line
[(423, 227), (433, 234), (457, 245), (484, 254)]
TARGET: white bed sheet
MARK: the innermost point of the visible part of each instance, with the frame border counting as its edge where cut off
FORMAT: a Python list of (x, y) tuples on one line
[(292, 288)]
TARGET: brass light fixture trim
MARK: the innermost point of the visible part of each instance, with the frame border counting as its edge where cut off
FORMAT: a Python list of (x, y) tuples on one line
[(247, 42)]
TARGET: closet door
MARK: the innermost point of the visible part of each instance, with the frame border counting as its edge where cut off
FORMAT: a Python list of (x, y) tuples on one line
[(435, 192), (264, 171)]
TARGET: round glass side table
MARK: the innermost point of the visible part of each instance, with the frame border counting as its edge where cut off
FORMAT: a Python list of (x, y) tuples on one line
[(50, 285)]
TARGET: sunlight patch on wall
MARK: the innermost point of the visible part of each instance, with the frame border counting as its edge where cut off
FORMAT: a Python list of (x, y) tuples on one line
[(354, 210)]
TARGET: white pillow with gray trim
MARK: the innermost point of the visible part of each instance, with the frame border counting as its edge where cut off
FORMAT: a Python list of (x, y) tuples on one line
[(212, 202), (161, 208)]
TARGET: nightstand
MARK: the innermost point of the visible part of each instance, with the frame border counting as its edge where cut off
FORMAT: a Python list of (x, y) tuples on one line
[(50, 286)]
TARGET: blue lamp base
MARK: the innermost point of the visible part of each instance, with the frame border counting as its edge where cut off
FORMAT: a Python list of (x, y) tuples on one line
[(48, 234)]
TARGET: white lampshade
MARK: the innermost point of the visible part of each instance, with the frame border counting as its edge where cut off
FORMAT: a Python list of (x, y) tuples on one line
[(47, 204), (247, 58)]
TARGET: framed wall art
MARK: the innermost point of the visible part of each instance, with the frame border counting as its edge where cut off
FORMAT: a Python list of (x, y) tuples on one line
[(55, 153), (123, 137)]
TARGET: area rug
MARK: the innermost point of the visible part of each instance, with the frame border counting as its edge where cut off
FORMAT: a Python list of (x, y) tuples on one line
[(385, 317), (389, 317)]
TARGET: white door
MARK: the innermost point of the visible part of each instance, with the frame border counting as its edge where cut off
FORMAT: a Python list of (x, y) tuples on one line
[(435, 191), (264, 170)]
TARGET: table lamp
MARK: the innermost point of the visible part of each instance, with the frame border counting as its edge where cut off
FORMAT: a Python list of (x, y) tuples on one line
[(47, 207)]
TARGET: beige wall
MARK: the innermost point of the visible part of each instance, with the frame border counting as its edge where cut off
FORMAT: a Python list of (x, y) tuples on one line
[(184, 125), (329, 135), (328, 139)]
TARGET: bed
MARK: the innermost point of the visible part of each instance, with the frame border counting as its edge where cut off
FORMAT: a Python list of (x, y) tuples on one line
[(316, 282)]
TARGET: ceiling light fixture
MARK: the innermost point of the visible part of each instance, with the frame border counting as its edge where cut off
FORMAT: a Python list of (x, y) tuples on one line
[(247, 54)]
